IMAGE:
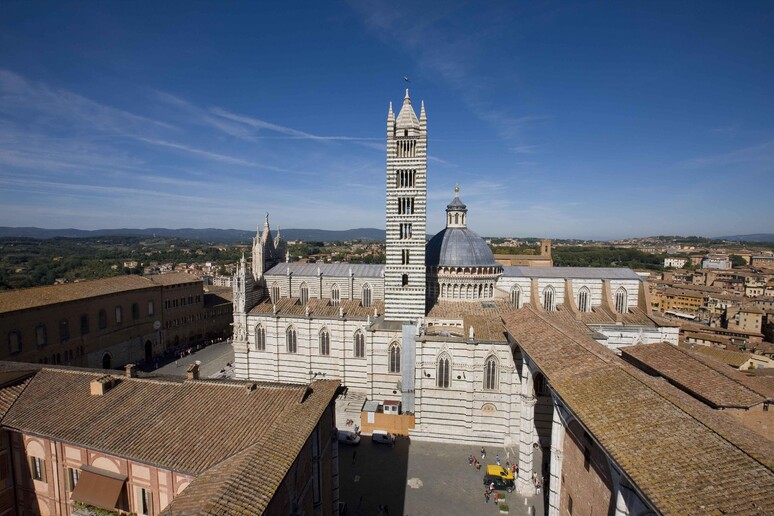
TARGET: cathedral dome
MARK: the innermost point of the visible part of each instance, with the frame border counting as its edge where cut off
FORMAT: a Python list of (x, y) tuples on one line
[(458, 247)]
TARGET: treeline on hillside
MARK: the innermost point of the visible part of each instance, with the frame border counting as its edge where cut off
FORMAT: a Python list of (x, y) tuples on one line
[(30, 262), (605, 257)]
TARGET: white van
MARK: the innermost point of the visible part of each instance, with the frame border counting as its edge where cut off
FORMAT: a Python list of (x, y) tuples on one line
[(383, 437)]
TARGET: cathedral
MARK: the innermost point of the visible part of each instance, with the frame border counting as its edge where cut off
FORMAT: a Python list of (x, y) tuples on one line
[(426, 328)]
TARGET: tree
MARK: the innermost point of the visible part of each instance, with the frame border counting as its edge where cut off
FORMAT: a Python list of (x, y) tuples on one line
[(738, 261)]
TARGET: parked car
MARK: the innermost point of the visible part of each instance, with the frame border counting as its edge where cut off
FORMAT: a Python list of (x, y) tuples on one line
[(500, 483), (383, 437), (347, 437)]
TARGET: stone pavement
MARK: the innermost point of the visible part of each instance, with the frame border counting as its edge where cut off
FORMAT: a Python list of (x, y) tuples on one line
[(213, 358), (418, 478)]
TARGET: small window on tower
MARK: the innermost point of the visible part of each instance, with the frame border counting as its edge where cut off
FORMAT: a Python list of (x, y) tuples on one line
[(404, 281), (405, 132)]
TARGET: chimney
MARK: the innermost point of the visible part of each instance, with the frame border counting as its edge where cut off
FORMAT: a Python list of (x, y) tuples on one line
[(131, 370), (193, 371), (101, 385)]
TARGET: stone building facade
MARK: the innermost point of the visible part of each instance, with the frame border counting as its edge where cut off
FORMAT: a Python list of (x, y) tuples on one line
[(110, 322)]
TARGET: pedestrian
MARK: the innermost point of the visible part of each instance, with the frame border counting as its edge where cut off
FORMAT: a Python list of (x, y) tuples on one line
[(497, 498), (483, 453), (386, 510), (470, 459), (491, 486), (354, 456), (486, 495), (497, 459), (507, 455)]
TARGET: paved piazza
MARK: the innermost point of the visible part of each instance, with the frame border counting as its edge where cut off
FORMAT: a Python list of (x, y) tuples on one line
[(213, 360), (418, 478)]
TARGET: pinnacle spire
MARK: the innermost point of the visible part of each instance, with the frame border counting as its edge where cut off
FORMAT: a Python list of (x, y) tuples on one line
[(266, 220), (390, 114), (407, 96)]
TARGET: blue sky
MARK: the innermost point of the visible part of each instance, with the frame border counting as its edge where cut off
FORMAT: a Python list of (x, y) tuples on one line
[(563, 120)]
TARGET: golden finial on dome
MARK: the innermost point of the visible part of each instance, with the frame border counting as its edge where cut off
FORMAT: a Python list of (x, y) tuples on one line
[(457, 188)]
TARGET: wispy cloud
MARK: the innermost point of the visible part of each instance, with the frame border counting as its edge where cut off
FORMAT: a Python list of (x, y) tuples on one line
[(761, 153), (223, 158), (454, 55)]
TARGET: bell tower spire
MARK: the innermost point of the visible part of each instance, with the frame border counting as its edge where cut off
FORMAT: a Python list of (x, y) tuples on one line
[(404, 280)]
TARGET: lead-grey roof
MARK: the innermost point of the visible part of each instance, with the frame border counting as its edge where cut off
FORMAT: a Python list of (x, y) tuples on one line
[(512, 271), (342, 270), (456, 204), (459, 247)]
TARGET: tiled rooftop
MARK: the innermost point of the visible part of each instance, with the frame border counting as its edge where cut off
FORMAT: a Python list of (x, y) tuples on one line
[(570, 272), (318, 308), (343, 270), (188, 426), (13, 300), (693, 376), (685, 457), (732, 358)]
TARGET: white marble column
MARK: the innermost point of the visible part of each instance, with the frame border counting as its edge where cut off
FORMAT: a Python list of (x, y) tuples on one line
[(557, 447), (527, 431)]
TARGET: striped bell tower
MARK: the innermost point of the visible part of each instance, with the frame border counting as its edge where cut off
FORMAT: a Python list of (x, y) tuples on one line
[(404, 281)]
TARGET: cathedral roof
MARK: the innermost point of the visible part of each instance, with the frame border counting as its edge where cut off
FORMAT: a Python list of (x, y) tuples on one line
[(407, 118), (459, 247), (344, 270)]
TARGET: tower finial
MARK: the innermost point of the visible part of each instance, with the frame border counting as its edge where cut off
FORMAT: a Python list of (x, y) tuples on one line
[(457, 190), (407, 95), (266, 220)]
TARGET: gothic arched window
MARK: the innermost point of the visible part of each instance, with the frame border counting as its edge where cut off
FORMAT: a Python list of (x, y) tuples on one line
[(394, 353), (275, 293), (260, 338), (304, 296), (365, 295), (359, 344), (548, 299), (539, 384), (335, 295), (583, 300), (516, 296), (290, 340), (621, 301), (325, 342), (490, 374), (444, 373)]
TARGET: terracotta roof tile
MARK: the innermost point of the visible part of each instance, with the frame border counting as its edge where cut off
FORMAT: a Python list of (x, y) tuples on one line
[(231, 487), (693, 376), (318, 308), (13, 300), (732, 358), (182, 426), (683, 456)]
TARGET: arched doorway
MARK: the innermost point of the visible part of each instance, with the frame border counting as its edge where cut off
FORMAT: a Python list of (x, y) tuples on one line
[(148, 350), (106, 359)]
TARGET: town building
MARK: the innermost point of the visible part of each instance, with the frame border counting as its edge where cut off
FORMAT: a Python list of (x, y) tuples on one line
[(79, 441), (542, 259), (675, 262), (716, 261), (110, 322)]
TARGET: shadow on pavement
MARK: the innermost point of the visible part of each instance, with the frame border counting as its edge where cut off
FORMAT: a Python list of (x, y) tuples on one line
[(373, 475)]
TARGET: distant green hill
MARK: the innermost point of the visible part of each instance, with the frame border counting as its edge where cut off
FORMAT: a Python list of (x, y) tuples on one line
[(754, 237), (208, 234)]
